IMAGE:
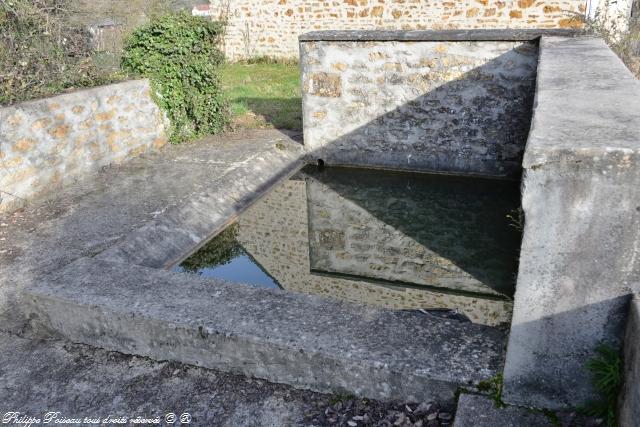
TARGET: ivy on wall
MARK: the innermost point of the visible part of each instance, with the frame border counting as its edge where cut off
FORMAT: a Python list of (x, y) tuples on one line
[(179, 54)]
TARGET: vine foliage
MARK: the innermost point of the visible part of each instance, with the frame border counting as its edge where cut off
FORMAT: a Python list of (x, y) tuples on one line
[(179, 53)]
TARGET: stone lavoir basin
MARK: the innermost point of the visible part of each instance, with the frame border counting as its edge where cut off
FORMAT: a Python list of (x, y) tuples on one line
[(406, 241), (395, 285)]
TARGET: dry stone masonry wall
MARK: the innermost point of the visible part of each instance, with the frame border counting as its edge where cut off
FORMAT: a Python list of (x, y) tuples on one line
[(455, 106), (271, 27), (47, 142)]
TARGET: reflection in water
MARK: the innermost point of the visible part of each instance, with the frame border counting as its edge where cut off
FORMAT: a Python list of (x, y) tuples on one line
[(396, 240)]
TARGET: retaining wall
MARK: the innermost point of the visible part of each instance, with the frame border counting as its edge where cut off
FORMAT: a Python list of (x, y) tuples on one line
[(271, 27), (48, 142), (453, 101)]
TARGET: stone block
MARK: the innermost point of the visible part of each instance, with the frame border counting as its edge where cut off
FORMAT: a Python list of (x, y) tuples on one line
[(579, 262), (328, 85)]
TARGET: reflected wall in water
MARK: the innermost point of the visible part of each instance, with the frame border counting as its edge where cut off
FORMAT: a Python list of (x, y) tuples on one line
[(275, 232), (442, 231)]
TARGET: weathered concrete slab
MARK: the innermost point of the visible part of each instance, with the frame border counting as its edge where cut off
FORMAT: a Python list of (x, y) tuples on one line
[(481, 411), (101, 210), (301, 340), (180, 230), (580, 260), (629, 412)]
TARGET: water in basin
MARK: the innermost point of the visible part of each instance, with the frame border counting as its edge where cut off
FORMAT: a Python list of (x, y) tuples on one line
[(397, 240)]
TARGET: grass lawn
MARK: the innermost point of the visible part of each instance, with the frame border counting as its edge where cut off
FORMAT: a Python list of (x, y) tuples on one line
[(264, 95)]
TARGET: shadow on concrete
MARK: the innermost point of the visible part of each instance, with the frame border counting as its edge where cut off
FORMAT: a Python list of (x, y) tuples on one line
[(525, 384)]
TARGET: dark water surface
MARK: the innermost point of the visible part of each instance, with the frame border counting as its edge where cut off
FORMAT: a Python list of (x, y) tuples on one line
[(398, 240)]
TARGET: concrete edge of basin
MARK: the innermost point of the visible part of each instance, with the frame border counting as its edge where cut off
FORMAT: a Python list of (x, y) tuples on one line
[(578, 263), (334, 346), (182, 229)]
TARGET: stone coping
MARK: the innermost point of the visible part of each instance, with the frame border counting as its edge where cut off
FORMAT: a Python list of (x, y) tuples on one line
[(306, 341), (78, 94), (446, 35), (587, 104)]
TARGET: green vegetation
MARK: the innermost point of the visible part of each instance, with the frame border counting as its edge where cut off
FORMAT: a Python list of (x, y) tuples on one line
[(42, 53), (219, 251), (264, 93), (179, 54), (606, 371), (493, 387), (45, 49)]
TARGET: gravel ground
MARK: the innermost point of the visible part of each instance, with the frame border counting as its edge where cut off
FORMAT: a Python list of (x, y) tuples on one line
[(361, 412), (38, 376)]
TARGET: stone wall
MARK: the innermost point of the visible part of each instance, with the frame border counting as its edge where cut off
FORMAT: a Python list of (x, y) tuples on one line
[(279, 242), (271, 27), (455, 106), (48, 142)]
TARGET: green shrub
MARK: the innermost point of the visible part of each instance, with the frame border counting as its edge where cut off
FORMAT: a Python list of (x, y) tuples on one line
[(606, 371), (179, 54), (219, 251), (42, 53)]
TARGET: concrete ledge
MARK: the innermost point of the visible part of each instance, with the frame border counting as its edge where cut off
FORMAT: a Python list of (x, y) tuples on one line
[(181, 230), (481, 411), (579, 262), (446, 35), (304, 341), (587, 105), (629, 412)]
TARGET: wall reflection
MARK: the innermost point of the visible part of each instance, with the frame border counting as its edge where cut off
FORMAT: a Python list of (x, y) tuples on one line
[(398, 241)]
